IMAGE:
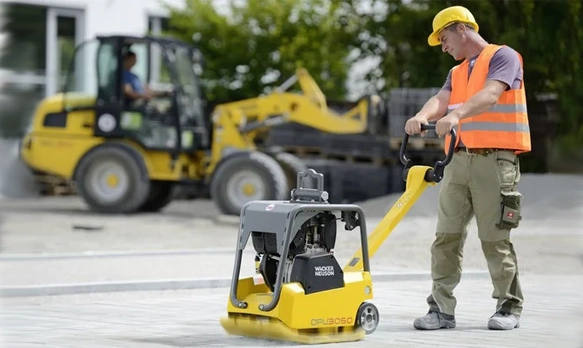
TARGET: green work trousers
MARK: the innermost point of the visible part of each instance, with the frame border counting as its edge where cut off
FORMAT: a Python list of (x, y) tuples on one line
[(477, 185)]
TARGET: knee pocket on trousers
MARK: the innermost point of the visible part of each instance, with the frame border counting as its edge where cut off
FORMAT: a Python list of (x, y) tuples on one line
[(510, 210), (508, 172)]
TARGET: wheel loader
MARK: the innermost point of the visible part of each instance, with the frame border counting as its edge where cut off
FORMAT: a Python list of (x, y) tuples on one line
[(127, 153)]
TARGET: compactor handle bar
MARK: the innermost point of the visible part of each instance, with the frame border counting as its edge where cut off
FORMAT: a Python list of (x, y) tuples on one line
[(436, 173)]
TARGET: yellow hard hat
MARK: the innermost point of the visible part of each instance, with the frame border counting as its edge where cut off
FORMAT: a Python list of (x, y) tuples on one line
[(448, 16)]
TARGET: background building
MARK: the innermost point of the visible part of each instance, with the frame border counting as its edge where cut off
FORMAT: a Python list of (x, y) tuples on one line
[(39, 36)]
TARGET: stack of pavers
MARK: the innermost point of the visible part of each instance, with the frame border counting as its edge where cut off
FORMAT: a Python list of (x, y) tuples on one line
[(404, 103)]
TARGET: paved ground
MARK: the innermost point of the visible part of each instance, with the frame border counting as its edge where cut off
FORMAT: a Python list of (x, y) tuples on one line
[(52, 241), (191, 318), (41, 242)]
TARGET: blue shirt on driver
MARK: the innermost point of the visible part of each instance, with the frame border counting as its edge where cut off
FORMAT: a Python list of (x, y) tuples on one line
[(134, 81)]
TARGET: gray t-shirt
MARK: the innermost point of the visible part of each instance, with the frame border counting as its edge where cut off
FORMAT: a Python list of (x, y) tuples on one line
[(504, 67)]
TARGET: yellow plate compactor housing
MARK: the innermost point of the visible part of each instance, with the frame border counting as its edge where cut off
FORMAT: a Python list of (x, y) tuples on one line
[(304, 295)]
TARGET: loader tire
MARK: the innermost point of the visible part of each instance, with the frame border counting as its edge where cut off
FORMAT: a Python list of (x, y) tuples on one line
[(161, 194), (244, 177), (112, 179), (291, 165)]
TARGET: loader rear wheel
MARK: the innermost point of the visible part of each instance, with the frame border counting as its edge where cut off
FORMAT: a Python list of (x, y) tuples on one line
[(367, 317), (245, 177), (291, 165), (112, 179)]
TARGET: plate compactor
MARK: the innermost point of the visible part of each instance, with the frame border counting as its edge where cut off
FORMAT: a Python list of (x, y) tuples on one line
[(300, 293)]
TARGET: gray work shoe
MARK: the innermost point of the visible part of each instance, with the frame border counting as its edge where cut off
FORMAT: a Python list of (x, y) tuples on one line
[(503, 321), (434, 320)]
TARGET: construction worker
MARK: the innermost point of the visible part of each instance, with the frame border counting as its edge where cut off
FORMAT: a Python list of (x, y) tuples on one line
[(484, 100)]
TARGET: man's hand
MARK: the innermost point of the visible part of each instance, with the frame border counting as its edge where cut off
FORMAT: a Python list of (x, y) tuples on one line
[(446, 124), (413, 125)]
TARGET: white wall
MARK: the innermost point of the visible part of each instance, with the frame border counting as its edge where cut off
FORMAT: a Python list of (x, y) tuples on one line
[(103, 17)]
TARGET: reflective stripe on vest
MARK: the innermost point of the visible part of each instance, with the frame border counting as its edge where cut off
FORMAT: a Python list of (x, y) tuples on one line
[(501, 108), (495, 126)]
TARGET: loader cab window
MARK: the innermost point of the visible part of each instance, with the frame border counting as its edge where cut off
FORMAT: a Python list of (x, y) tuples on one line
[(149, 112), (186, 65), (80, 90), (189, 99), (107, 63)]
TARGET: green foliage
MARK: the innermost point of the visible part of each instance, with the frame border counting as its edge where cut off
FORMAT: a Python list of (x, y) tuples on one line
[(262, 42)]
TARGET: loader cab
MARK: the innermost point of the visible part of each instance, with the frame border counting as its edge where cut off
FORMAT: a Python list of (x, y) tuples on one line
[(172, 119)]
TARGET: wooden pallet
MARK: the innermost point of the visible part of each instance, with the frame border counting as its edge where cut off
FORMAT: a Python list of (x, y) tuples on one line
[(348, 158), (54, 186), (303, 151)]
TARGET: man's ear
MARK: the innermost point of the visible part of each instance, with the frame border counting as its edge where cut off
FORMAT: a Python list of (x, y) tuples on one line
[(461, 28)]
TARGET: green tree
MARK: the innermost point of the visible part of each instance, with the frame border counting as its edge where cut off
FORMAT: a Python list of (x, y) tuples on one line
[(547, 33), (261, 43), (568, 75)]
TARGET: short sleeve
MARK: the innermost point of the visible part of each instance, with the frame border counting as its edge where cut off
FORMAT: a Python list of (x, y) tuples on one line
[(447, 84), (505, 67)]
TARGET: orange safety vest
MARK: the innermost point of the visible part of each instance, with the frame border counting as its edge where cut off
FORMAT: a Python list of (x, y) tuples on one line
[(504, 125)]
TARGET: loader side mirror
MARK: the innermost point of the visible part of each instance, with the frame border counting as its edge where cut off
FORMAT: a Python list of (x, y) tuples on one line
[(436, 173)]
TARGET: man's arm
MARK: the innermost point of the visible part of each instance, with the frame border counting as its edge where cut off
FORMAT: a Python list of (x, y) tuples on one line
[(153, 93), (436, 106), (434, 109), (482, 100), (129, 91)]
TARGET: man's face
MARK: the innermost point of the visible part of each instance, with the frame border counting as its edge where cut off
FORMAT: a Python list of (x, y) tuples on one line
[(452, 40), (130, 61)]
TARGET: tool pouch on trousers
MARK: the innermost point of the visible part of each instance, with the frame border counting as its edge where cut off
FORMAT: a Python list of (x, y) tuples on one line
[(510, 210)]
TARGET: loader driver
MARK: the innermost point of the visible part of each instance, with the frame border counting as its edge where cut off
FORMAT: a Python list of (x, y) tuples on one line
[(134, 89), (483, 98)]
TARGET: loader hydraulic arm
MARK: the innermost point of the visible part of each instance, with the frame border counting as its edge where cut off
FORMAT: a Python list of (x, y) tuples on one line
[(417, 178), (308, 86), (254, 116)]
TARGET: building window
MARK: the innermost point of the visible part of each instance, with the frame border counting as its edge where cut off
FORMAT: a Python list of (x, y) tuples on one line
[(22, 65), (158, 25), (22, 57)]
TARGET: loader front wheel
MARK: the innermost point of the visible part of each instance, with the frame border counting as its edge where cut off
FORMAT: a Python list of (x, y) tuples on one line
[(367, 317), (112, 180), (245, 177)]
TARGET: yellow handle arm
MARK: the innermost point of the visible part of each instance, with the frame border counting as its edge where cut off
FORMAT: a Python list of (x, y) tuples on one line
[(416, 184)]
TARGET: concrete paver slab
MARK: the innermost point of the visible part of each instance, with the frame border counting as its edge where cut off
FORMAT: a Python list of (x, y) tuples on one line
[(552, 318)]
